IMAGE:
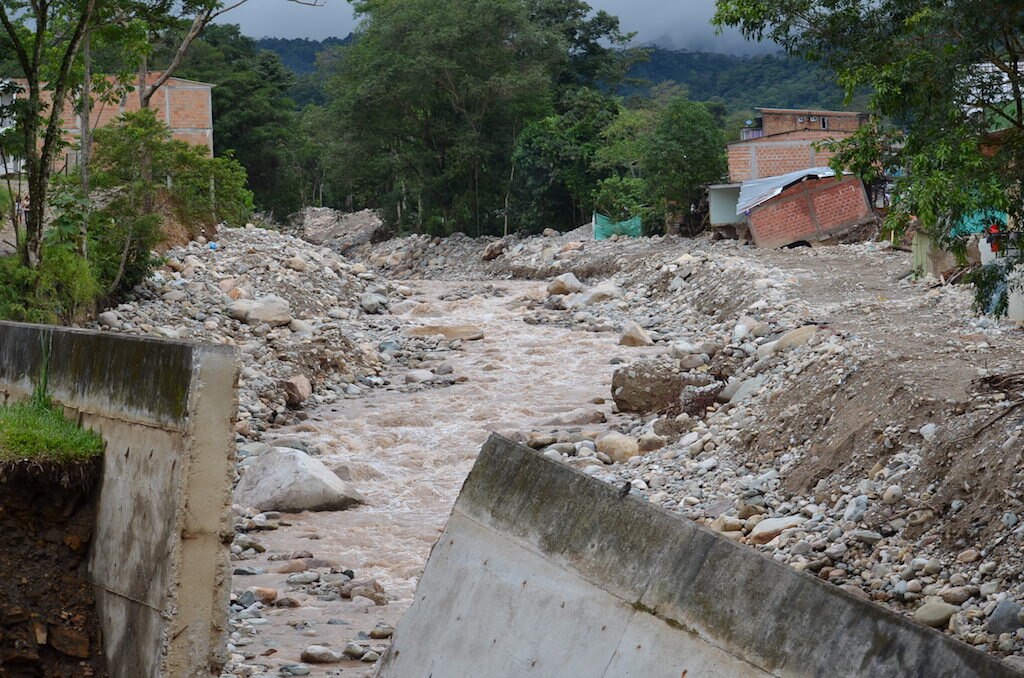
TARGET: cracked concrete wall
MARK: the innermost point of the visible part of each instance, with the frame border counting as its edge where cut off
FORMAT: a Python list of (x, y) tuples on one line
[(544, 571), (159, 557)]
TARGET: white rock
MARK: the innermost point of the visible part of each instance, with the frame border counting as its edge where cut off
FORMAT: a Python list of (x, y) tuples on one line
[(618, 447), (768, 529), (318, 654), (634, 335), (271, 309), (109, 319), (567, 283), (284, 479), (418, 376)]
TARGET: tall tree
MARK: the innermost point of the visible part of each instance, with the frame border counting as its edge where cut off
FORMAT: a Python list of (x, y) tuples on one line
[(45, 37), (252, 115), (435, 95)]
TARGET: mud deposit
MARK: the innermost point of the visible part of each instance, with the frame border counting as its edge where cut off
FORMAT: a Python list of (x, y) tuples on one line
[(48, 622)]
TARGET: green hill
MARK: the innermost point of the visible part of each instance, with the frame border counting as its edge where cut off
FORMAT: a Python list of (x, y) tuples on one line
[(299, 54), (741, 82)]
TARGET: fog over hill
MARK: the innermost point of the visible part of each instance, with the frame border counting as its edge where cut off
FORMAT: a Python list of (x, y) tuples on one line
[(682, 24)]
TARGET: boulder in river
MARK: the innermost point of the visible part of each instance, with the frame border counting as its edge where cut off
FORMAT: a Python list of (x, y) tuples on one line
[(289, 480)]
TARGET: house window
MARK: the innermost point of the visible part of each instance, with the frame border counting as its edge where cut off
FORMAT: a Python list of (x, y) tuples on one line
[(824, 123)]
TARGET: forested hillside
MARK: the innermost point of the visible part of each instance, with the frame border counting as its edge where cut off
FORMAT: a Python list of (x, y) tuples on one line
[(740, 82), (299, 54)]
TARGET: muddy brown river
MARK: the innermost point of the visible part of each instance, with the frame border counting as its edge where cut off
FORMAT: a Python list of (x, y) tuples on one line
[(408, 454)]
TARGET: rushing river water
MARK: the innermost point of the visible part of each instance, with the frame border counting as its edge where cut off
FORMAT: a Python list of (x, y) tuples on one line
[(408, 453)]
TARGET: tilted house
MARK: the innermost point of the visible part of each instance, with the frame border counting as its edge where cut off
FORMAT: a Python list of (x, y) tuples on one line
[(780, 143)]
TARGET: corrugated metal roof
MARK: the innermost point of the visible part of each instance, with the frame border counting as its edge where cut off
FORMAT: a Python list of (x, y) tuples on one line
[(758, 191)]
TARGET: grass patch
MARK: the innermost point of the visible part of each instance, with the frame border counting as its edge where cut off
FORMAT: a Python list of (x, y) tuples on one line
[(38, 433)]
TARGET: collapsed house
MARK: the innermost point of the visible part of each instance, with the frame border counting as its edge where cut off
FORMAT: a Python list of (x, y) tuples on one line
[(780, 189)]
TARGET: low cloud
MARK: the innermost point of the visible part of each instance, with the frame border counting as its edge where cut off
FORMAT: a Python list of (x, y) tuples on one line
[(678, 25)]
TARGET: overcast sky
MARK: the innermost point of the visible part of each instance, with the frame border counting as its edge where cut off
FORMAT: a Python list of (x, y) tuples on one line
[(669, 23)]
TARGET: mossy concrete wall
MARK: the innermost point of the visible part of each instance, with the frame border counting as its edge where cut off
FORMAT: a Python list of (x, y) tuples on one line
[(159, 557), (544, 571)]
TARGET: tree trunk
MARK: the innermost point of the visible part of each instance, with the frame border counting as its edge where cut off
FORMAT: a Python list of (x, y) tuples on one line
[(86, 133)]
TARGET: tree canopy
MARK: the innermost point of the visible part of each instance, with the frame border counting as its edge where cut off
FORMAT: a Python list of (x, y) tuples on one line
[(944, 76)]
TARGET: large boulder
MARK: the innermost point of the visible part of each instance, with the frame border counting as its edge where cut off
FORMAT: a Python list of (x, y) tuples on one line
[(271, 309), (342, 231), (567, 283), (619, 447), (449, 332), (634, 335), (297, 389), (494, 250), (284, 479), (606, 291), (651, 385)]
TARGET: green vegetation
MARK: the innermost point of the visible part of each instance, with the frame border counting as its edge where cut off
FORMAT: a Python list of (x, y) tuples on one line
[(741, 83), (949, 111), (80, 267), (254, 120), (299, 54), (420, 113), (488, 117), (35, 432)]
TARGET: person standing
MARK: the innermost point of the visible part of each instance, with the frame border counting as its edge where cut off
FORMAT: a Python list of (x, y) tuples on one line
[(25, 207)]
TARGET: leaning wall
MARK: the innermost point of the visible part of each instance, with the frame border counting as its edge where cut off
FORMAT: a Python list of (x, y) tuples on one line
[(545, 571)]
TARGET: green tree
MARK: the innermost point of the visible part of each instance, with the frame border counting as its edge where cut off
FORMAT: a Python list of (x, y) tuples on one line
[(556, 159), (597, 53), (44, 37), (947, 75), (182, 181), (252, 116), (430, 99), (683, 154)]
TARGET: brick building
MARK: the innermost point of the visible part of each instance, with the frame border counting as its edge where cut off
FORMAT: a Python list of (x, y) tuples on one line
[(782, 141), (186, 106), (779, 141), (806, 205)]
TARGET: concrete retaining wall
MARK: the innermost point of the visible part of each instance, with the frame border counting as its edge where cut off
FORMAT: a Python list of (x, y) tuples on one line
[(159, 557), (544, 571)]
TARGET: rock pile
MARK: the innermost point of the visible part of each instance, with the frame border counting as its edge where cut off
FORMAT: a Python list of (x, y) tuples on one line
[(308, 324), (341, 231), (798, 437)]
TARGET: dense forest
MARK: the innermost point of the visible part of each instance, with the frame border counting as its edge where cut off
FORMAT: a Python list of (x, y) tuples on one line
[(778, 81), (300, 54), (742, 83)]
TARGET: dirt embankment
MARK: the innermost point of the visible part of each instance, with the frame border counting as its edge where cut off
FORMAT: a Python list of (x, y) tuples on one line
[(48, 621)]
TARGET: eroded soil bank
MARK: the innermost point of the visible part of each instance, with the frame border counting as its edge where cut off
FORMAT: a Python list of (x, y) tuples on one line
[(48, 621)]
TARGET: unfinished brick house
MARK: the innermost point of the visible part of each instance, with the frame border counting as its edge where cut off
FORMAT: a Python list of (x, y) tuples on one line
[(780, 142), (186, 106), (803, 206)]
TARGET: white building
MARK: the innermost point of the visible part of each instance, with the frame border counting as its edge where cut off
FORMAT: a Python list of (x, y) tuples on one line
[(7, 94)]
